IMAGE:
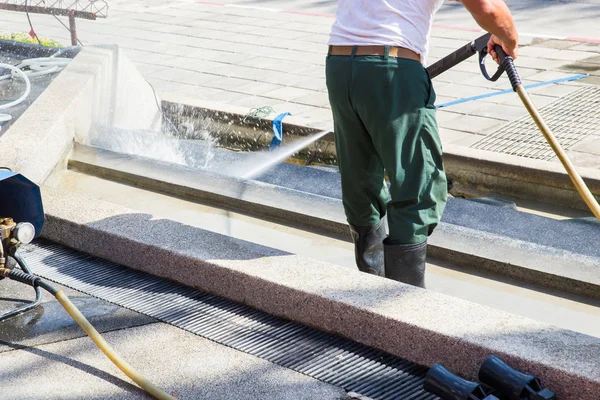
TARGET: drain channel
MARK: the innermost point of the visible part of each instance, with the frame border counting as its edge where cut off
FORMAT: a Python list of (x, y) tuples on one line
[(320, 355)]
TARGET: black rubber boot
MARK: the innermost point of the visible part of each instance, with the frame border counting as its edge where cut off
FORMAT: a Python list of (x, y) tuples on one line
[(368, 247), (406, 263)]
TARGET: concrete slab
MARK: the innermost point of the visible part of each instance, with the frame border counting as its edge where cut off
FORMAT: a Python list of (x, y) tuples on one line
[(183, 364)]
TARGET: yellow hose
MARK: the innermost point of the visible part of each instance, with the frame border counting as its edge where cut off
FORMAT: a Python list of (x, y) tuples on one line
[(142, 382)]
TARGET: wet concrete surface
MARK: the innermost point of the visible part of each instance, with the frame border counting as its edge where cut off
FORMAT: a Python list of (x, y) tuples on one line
[(49, 322)]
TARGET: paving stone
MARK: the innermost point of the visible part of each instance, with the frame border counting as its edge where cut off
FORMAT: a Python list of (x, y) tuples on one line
[(451, 136), (512, 99), (592, 60), (554, 90), (488, 110), (445, 117), (538, 63), (151, 70), (590, 145), (544, 76), (473, 124), (276, 77), (186, 76), (311, 84), (590, 80), (238, 71), (219, 56), (444, 99), (258, 88), (552, 53), (227, 96), (314, 38), (275, 32), (582, 68), (581, 159), (591, 47), (557, 44), (322, 117), (197, 92), (463, 90), (317, 99), (290, 93), (297, 45), (273, 64)]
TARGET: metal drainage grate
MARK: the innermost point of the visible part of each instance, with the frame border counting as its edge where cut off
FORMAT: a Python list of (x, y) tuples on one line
[(323, 356), (570, 118)]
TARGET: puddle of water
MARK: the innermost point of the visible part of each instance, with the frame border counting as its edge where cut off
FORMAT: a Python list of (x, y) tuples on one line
[(50, 318)]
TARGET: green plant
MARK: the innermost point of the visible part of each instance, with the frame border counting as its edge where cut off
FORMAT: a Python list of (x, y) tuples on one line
[(22, 37)]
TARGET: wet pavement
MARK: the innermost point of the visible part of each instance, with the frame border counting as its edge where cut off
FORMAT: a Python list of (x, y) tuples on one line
[(49, 322)]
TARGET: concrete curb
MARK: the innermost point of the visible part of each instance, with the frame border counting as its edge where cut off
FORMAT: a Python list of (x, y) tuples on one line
[(470, 248), (416, 324)]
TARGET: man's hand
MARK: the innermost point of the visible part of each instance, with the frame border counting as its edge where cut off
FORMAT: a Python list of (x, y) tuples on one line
[(494, 17), (509, 48)]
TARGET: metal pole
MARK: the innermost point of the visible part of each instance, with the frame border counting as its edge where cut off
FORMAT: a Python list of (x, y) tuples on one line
[(72, 28)]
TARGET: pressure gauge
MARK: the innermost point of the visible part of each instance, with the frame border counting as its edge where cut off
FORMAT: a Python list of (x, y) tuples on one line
[(24, 232)]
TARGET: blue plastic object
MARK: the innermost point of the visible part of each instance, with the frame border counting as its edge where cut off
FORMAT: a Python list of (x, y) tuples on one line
[(21, 200), (278, 130)]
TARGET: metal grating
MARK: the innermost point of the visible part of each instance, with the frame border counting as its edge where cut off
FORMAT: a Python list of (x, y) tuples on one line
[(571, 119), (323, 356)]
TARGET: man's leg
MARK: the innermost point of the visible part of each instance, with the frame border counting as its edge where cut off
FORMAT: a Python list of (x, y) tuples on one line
[(362, 174), (398, 110)]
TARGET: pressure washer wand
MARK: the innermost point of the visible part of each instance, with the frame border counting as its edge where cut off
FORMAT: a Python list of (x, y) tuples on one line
[(507, 64), (458, 56)]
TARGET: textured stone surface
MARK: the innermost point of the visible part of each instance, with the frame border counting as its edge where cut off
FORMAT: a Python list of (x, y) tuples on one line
[(435, 328), (184, 365)]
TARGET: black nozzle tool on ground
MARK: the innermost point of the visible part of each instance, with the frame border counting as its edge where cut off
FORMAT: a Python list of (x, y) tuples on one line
[(478, 45), (510, 383), (447, 386)]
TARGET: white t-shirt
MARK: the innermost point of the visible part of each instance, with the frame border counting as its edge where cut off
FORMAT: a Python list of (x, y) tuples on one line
[(403, 23)]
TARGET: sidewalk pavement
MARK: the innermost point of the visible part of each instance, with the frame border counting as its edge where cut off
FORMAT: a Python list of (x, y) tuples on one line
[(252, 57)]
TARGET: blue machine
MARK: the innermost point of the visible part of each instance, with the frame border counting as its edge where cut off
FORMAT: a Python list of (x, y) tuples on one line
[(21, 200)]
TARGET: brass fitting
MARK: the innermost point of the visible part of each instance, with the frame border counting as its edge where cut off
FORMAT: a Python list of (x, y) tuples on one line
[(6, 227)]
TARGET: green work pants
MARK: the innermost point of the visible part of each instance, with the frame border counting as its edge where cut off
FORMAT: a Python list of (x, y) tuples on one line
[(384, 122)]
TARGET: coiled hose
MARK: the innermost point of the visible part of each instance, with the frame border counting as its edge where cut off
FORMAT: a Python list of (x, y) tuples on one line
[(21, 74), (34, 67), (32, 280)]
